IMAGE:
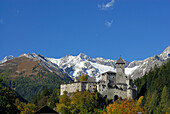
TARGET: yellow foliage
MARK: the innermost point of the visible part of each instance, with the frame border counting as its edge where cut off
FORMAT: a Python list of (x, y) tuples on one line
[(83, 77), (139, 101), (124, 107)]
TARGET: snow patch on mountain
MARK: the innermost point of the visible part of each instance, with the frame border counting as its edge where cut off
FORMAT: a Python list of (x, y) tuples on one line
[(9, 57), (94, 67), (76, 65)]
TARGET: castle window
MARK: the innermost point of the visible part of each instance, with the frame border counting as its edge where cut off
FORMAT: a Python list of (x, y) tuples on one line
[(104, 86)]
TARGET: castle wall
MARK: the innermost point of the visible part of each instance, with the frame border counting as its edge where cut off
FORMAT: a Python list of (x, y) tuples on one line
[(112, 92), (71, 87), (80, 86), (102, 87)]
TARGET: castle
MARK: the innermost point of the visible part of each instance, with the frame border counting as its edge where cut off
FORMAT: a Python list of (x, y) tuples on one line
[(112, 84)]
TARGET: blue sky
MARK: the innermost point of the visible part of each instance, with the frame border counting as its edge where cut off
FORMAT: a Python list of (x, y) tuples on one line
[(134, 29)]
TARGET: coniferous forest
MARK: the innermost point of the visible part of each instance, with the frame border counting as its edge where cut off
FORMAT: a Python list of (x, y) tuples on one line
[(153, 98), (155, 87)]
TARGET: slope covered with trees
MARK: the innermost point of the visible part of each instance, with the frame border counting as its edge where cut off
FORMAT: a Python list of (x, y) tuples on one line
[(29, 85), (155, 87)]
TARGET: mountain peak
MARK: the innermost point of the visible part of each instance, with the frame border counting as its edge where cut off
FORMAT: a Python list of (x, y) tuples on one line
[(166, 53), (9, 57), (82, 55)]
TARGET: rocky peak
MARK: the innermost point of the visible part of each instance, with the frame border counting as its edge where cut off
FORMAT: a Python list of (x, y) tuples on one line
[(166, 53), (9, 57), (84, 57)]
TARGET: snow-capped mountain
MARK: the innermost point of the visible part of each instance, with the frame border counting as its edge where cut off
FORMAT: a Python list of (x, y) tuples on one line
[(76, 65), (94, 67), (29, 62), (45, 63), (145, 65), (9, 57)]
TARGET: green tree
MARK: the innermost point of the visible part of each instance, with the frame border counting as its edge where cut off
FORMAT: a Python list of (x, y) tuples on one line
[(63, 109), (152, 86), (163, 105), (29, 109), (7, 101), (45, 92), (65, 99), (83, 102), (153, 102)]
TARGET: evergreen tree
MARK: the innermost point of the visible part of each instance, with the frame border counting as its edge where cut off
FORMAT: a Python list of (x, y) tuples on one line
[(7, 101), (153, 102), (155, 88), (163, 105)]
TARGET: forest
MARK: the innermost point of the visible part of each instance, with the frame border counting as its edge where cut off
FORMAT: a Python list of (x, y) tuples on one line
[(29, 85), (153, 98), (155, 87)]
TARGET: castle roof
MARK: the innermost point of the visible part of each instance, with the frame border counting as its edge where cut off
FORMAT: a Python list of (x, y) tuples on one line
[(120, 61), (109, 72), (89, 79)]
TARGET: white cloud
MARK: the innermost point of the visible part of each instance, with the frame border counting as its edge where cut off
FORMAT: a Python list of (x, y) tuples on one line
[(109, 23), (106, 6)]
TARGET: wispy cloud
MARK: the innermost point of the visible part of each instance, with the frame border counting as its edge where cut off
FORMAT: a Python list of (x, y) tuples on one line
[(109, 23), (1, 21), (106, 6)]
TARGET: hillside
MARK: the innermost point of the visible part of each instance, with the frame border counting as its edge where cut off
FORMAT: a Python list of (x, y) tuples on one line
[(28, 76), (155, 88)]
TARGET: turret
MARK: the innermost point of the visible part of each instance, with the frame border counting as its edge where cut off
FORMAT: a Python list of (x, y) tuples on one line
[(120, 71), (120, 65)]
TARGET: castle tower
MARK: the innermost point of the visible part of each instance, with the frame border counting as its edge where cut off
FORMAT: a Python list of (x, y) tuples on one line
[(129, 82), (120, 71)]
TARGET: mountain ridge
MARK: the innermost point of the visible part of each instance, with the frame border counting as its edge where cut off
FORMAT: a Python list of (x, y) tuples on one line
[(76, 65)]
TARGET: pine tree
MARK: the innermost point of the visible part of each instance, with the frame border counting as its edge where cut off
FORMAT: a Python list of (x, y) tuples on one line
[(153, 102), (163, 106)]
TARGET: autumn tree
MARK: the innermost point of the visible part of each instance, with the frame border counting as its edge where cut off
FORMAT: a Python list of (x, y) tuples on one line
[(25, 108), (125, 106), (83, 77), (29, 109)]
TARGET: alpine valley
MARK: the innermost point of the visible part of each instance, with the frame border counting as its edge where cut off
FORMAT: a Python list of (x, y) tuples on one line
[(30, 73)]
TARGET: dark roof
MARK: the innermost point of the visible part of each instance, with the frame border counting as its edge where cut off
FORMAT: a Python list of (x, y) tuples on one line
[(122, 84), (120, 61), (46, 109), (89, 79), (109, 72)]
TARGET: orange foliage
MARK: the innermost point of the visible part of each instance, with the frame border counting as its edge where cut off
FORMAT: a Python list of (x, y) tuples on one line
[(125, 106)]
